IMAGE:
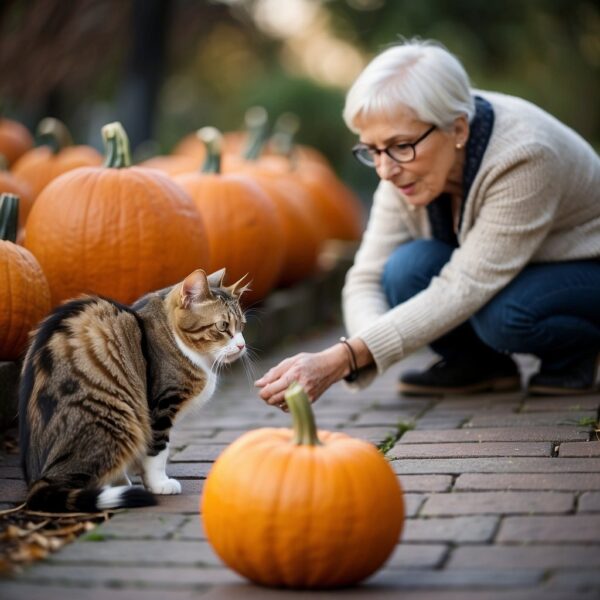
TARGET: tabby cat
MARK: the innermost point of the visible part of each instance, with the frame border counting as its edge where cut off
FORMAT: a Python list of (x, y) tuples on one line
[(102, 384)]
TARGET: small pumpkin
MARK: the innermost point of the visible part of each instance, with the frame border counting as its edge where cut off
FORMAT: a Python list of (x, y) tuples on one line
[(244, 231), (24, 291), (55, 156), (115, 230), (300, 508), (15, 140)]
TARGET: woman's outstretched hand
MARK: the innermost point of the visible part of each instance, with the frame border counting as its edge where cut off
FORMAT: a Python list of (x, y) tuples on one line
[(315, 372)]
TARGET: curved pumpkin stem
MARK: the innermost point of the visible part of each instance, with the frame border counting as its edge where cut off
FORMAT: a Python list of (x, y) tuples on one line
[(257, 120), (54, 133), (9, 217), (283, 140), (213, 140), (305, 428), (116, 142)]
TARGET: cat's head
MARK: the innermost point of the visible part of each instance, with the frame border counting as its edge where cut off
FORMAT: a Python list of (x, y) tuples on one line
[(207, 318)]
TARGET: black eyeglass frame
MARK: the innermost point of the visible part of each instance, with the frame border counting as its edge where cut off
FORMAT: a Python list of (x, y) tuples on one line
[(356, 150)]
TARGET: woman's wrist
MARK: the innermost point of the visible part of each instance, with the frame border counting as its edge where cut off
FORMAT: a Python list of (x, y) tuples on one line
[(347, 357)]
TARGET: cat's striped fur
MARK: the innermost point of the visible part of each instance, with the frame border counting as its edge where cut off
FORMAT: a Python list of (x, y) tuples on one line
[(102, 384)]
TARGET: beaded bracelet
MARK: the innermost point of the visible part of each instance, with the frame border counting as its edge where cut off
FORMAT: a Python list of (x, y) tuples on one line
[(353, 375)]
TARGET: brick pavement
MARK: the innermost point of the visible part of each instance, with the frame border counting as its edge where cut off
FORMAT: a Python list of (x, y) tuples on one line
[(502, 495)]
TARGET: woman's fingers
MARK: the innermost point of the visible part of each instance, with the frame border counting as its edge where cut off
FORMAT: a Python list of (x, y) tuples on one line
[(273, 374)]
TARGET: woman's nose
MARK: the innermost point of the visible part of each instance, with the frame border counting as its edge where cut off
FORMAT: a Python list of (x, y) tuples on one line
[(387, 167)]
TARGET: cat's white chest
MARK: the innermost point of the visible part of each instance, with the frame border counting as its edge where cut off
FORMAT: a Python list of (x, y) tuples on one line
[(209, 389), (211, 378)]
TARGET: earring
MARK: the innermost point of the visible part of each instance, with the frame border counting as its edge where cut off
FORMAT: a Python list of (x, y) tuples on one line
[(459, 146)]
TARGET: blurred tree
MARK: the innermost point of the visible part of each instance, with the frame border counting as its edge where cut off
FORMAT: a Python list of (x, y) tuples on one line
[(92, 60)]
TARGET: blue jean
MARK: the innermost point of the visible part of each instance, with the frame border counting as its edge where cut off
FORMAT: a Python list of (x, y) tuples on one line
[(550, 310)]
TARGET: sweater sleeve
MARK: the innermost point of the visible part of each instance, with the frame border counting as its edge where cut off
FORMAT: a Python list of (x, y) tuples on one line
[(517, 211)]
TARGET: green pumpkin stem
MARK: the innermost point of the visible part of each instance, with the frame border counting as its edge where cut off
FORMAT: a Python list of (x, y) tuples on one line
[(257, 124), (283, 141), (305, 428), (9, 217), (116, 143), (53, 133), (213, 140)]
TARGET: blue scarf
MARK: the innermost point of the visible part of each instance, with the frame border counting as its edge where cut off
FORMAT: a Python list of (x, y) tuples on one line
[(440, 210)]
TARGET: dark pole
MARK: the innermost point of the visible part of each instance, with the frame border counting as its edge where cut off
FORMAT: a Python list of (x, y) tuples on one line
[(137, 97)]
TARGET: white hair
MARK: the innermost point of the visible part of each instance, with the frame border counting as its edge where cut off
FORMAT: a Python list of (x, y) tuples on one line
[(421, 75)]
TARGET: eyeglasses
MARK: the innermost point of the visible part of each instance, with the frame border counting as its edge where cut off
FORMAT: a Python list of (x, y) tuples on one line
[(401, 153)]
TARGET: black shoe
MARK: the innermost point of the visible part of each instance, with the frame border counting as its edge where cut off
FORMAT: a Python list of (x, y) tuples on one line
[(462, 375), (579, 378)]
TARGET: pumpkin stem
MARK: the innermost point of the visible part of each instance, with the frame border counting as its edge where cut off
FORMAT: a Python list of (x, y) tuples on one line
[(53, 133), (213, 140), (116, 143), (9, 217), (286, 127), (257, 120), (305, 428)]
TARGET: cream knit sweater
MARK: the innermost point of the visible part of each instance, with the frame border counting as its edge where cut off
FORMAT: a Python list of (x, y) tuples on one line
[(535, 198)]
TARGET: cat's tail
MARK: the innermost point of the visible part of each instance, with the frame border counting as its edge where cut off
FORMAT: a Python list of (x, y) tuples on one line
[(48, 497)]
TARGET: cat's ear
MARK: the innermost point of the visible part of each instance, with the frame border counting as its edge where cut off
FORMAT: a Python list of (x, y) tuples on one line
[(216, 279), (239, 287), (194, 288)]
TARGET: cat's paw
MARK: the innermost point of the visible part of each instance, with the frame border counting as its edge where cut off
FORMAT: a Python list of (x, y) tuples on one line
[(165, 487)]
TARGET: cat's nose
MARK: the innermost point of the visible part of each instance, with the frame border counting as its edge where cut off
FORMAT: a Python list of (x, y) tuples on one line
[(241, 346)]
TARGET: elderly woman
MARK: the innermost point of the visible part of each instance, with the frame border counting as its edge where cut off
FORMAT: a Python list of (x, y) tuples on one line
[(483, 239)]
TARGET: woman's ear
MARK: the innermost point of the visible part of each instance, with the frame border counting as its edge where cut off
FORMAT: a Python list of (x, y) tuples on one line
[(461, 131)]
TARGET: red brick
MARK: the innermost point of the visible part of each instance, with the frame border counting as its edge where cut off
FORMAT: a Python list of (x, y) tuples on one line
[(426, 483), (495, 434), (532, 419), (412, 504), (417, 556), (560, 403), (579, 449), (589, 502), (43, 591), (464, 503), (457, 530), (470, 449), (528, 481), (563, 528), (198, 453), (543, 556), (495, 465)]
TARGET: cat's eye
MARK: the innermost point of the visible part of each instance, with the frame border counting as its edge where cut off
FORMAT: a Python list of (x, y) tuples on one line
[(222, 325)]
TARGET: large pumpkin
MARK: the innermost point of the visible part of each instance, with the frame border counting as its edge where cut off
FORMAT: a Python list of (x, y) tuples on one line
[(243, 226), (15, 140), (115, 230), (57, 155), (303, 235), (24, 291), (298, 509)]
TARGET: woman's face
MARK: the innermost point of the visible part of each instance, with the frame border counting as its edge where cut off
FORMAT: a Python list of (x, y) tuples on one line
[(437, 166)]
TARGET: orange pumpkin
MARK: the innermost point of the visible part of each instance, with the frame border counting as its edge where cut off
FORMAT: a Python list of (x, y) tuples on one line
[(13, 185), (300, 508), (15, 140), (172, 165), (39, 166), (303, 235), (244, 230), (115, 230), (24, 291)]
